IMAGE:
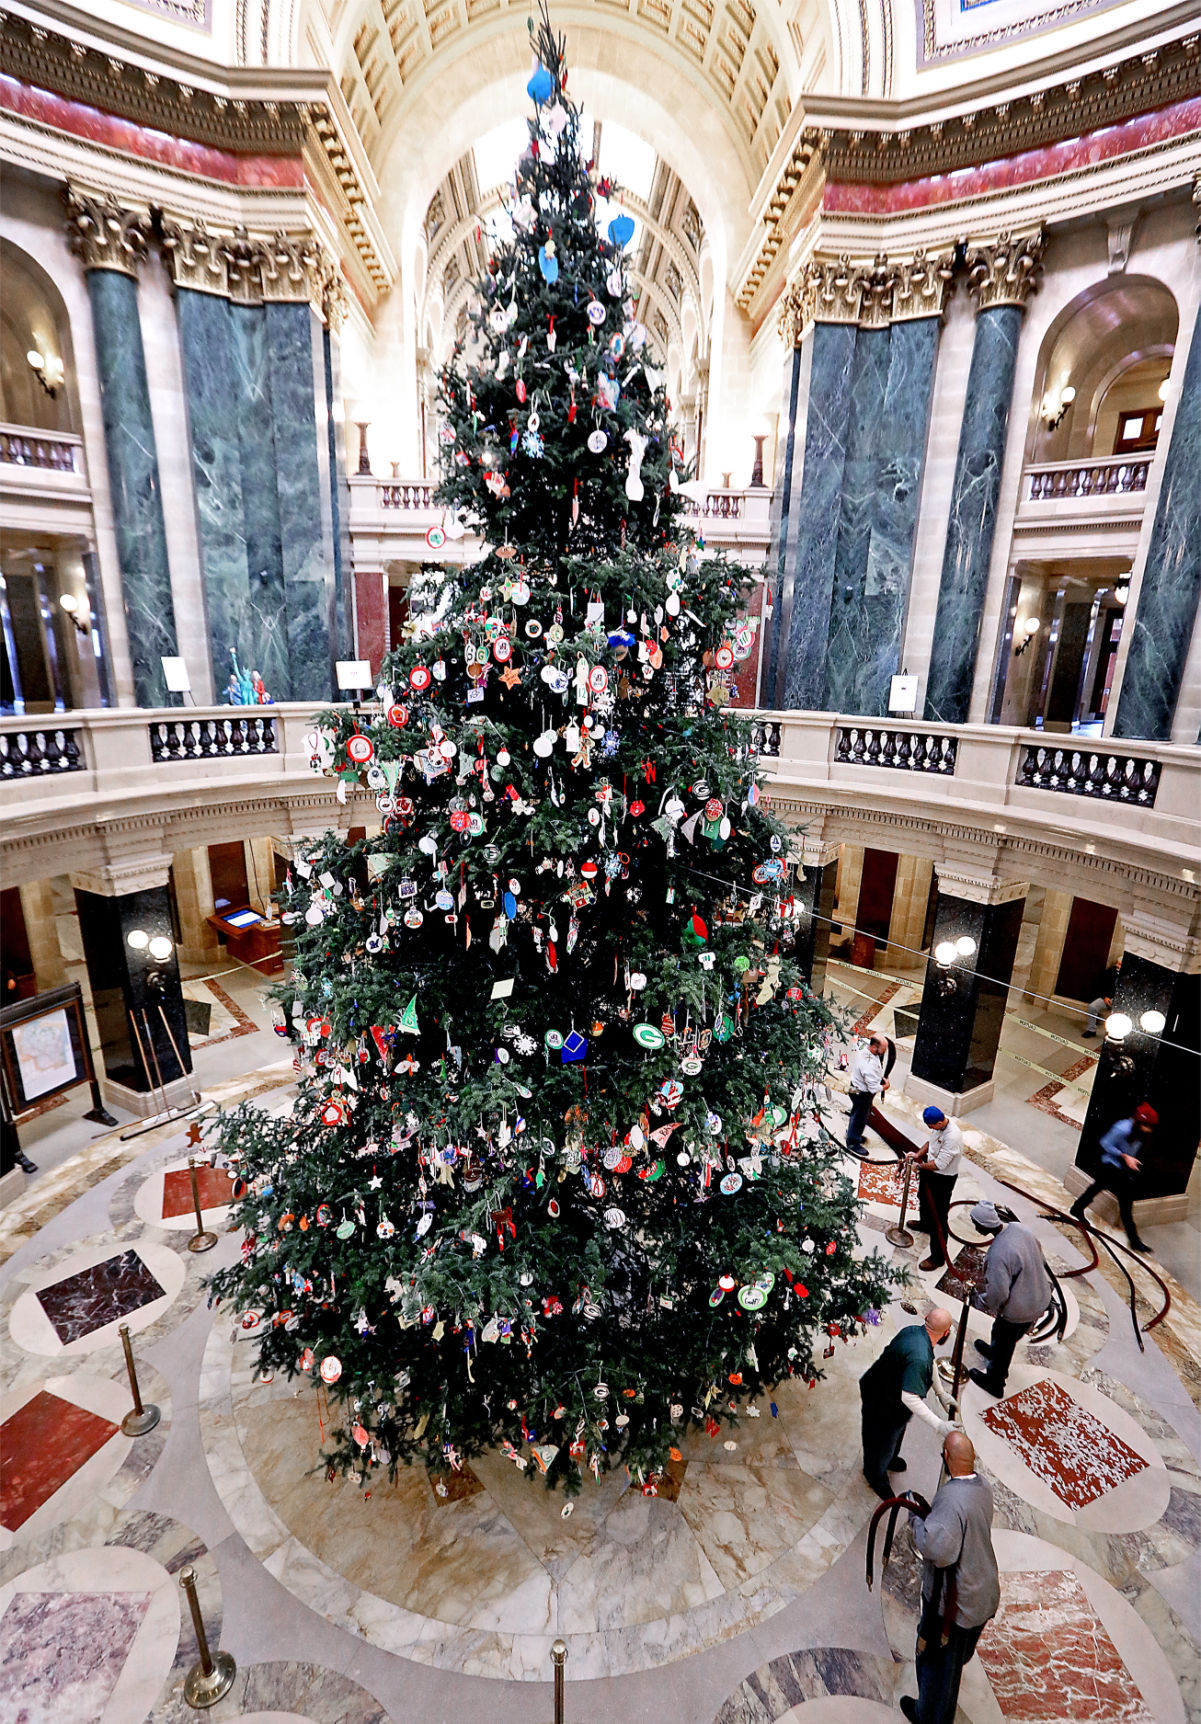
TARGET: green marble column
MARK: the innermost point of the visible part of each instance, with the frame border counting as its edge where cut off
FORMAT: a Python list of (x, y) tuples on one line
[(339, 492), (217, 389), (133, 479), (847, 622), (302, 476), (875, 620), (1002, 277), (810, 556), (1171, 585), (772, 678)]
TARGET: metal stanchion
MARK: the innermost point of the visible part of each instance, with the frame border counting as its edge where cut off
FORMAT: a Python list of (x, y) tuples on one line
[(211, 1679), (951, 1370), (900, 1235), (200, 1240), (558, 1653), (139, 1419)]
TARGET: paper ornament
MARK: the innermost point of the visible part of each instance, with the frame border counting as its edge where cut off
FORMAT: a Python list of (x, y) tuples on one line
[(574, 1048), (407, 1022)]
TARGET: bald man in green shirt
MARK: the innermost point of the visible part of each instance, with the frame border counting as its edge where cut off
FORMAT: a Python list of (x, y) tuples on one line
[(894, 1389)]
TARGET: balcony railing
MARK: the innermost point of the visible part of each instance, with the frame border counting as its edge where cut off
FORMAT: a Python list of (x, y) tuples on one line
[(406, 494), (32, 750), (1085, 772), (718, 506), (212, 738), (52, 451), (1114, 476), (1141, 794), (905, 750)]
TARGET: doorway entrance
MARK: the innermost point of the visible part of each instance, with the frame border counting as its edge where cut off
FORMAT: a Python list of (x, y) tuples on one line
[(1060, 646)]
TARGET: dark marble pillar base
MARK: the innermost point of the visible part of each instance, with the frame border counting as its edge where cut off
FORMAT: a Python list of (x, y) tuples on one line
[(1160, 1070), (771, 686), (121, 984), (959, 1026)]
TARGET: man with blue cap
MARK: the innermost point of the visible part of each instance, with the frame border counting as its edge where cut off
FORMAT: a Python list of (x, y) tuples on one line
[(937, 1164)]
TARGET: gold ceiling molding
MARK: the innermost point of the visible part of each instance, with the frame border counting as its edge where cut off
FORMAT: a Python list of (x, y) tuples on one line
[(104, 234), (870, 294), (802, 174), (253, 269), (1007, 270)]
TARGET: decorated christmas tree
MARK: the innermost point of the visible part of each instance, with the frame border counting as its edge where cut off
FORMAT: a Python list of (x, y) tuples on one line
[(555, 1180)]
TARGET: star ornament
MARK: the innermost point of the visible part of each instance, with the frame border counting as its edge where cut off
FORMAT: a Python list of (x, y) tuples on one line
[(511, 676)]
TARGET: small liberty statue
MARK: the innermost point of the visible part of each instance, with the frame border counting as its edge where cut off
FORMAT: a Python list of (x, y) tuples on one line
[(241, 691)]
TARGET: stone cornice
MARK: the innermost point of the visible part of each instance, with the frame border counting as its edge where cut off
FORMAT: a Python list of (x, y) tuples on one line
[(1006, 271), (873, 147), (306, 119), (977, 888), (103, 234), (871, 294), (118, 879)]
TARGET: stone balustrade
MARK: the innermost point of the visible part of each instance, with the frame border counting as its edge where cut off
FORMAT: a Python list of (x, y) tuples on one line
[(52, 451), (173, 774), (1113, 476)]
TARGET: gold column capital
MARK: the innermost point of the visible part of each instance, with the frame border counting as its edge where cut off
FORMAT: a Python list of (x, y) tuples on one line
[(104, 233), (1007, 270)]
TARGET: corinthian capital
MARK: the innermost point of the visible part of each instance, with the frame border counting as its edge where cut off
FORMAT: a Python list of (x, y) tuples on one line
[(103, 234), (922, 285), (1008, 271), (195, 257)]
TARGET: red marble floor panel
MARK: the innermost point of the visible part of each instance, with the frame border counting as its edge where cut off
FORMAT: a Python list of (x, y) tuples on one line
[(214, 1185), (1049, 1659), (1063, 1444), (43, 1445), (882, 1185), (965, 1274), (90, 1298)]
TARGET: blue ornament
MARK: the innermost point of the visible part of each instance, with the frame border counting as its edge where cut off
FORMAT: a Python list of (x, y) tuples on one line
[(510, 904), (541, 87), (548, 263), (574, 1048), (621, 230), (620, 637)]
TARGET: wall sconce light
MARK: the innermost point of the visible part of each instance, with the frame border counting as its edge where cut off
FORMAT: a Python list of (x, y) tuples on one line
[(70, 604), (1163, 390), (1024, 633), (1117, 1027), (1152, 1023), (1056, 404), (48, 369), (1121, 592), (947, 955), (159, 948)]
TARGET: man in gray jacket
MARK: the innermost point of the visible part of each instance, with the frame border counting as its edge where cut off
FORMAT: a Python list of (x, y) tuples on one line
[(1017, 1290), (960, 1588)]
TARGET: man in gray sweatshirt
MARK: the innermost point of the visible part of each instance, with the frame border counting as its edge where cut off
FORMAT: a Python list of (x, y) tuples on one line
[(1017, 1290), (960, 1588)]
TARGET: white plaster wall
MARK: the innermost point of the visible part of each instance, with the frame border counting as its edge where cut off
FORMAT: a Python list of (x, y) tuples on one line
[(32, 219), (942, 444), (168, 409), (1164, 248)]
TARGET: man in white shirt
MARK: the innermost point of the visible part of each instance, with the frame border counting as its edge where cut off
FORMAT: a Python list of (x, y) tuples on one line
[(937, 1164), (867, 1080)]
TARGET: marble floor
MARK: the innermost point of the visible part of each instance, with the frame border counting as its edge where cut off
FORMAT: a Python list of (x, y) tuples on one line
[(737, 1596)]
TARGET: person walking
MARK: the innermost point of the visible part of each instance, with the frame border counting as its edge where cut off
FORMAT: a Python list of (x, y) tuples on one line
[(1098, 1011), (937, 1164), (1121, 1166), (1016, 1290), (894, 1389), (961, 1590), (866, 1082)]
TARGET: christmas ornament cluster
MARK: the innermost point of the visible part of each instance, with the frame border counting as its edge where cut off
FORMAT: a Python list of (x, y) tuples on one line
[(556, 1180)]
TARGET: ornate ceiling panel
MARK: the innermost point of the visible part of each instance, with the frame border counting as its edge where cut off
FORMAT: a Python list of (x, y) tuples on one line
[(727, 41)]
